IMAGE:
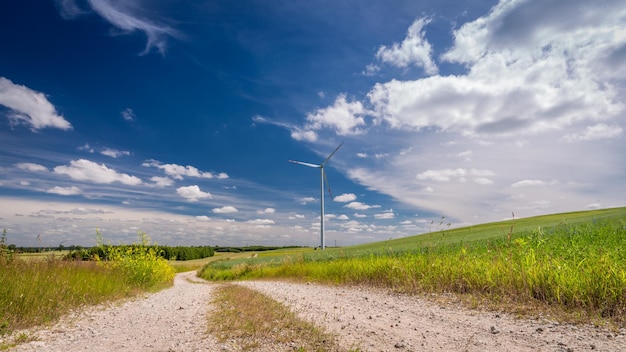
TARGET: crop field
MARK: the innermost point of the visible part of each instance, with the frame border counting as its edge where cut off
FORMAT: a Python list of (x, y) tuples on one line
[(572, 262)]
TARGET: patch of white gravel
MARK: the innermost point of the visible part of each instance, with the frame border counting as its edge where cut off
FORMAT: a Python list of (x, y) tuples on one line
[(173, 319), (374, 320)]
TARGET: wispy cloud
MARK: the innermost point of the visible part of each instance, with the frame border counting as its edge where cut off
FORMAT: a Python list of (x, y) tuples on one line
[(114, 153), (128, 114), (595, 132), (32, 167), (128, 16), (30, 107)]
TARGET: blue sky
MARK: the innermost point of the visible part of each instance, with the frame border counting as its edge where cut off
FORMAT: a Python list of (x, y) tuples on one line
[(178, 118)]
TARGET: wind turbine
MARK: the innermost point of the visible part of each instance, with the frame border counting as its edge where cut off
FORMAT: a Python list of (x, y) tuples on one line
[(323, 179)]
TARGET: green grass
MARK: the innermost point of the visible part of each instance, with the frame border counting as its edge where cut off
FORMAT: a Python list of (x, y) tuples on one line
[(574, 262), (35, 292)]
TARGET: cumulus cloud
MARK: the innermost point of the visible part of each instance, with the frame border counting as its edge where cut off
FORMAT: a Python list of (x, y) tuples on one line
[(160, 181), (525, 72), (30, 107), (266, 211), (127, 16), (64, 191), (225, 210), (179, 172), (414, 50), (344, 198), (86, 170), (344, 117), (192, 193)]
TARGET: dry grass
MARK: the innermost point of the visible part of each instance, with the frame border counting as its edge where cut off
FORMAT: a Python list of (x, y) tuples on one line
[(253, 321)]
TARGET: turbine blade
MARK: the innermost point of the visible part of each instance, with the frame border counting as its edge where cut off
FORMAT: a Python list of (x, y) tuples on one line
[(305, 164), (331, 154), (327, 184)]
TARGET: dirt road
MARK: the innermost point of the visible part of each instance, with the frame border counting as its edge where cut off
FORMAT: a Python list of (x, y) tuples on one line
[(174, 320)]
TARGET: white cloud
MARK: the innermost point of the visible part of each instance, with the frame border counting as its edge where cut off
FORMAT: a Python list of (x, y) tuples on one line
[(446, 175), (179, 172), (388, 214), (595, 132), (225, 210), (415, 49), (32, 167), (544, 75), (85, 170), (371, 70), (305, 200), (86, 148), (127, 16), (30, 107), (192, 193), (443, 175), (64, 191), (128, 114), (344, 117), (344, 198), (528, 183), (114, 153), (261, 222), (266, 211), (360, 206), (160, 181)]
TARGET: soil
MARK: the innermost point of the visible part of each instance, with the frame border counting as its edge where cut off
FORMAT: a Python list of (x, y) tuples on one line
[(370, 320)]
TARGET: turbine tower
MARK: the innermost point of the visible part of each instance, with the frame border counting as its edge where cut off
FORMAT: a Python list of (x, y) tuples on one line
[(323, 179)]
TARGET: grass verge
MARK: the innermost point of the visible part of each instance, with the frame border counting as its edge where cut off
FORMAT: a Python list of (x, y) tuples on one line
[(37, 292), (252, 320), (578, 269)]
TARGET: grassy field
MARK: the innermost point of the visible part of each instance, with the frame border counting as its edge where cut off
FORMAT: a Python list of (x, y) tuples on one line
[(573, 262), (35, 290)]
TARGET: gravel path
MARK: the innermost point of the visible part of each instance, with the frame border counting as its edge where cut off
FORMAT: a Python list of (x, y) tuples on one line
[(174, 320), (377, 321)]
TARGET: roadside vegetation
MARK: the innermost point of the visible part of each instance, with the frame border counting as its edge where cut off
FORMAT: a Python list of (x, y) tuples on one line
[(574, 264), (35, 292)]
